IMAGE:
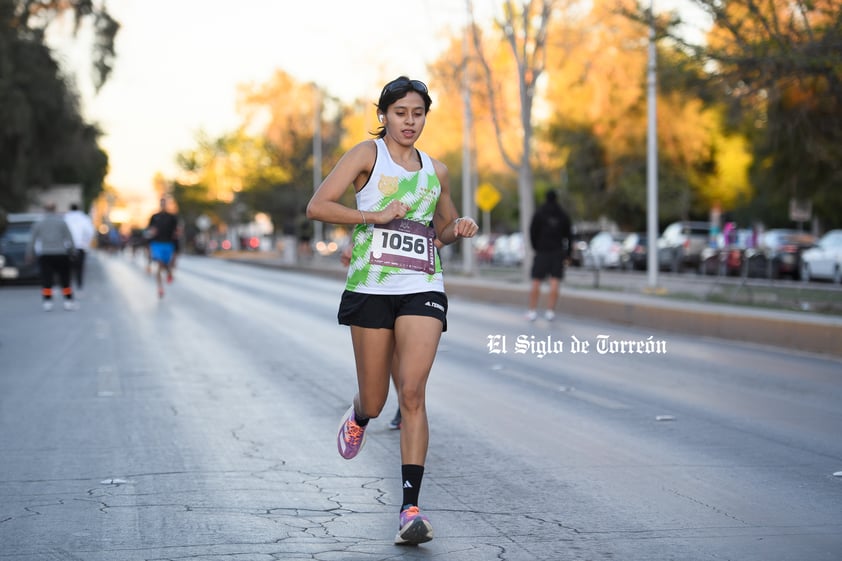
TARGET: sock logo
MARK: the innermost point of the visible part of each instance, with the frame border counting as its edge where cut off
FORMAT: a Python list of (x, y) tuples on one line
[(407, 485)]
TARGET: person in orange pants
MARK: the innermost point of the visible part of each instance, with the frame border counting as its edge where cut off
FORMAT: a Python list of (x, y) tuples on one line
[(52, 242)]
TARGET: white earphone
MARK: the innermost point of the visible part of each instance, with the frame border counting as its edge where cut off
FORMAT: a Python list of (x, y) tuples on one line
[(380, 117)]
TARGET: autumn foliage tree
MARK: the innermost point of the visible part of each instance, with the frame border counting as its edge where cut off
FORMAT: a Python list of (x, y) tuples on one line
[(522, 32), (283, 111), (266, 164), (597, 89), (558, 98), (588, 135), (778, 62)]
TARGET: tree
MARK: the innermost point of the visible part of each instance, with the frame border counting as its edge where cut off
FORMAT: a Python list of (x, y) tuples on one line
[(445, 126), (778, 62), (206, 184), (223, 178), (266, 164), (597, 89), (283, 112), (43, 137), (35, 16), (524, 32)]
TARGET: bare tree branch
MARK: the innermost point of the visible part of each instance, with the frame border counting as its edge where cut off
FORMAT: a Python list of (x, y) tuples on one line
[(489, 83)]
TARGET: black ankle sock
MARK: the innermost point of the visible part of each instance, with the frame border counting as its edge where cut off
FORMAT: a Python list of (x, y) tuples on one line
[(411, 476), (361, 421)]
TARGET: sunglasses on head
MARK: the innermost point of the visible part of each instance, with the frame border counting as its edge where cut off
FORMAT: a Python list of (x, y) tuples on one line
[(416, 85)]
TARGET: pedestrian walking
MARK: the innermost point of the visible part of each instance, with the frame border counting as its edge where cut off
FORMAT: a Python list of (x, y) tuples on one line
[(551, 236), (52, 243), (394, 299), (82, 229), (162, 231)]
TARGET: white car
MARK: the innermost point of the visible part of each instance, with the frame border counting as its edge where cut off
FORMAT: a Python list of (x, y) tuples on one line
[(824, 261), (604, 250), (509, 250)]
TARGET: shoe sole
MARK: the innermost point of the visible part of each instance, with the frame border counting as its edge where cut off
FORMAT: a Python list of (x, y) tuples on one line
[(416, 532), (339, 431)]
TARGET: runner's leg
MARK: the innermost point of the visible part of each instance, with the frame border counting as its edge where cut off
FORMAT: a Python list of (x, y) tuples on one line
[(373, 349), (416, 341)]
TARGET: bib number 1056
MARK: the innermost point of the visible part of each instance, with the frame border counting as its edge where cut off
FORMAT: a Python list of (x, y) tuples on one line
[(404, 243)]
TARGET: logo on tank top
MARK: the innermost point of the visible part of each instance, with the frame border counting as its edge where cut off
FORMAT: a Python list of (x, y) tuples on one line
[(388, 185)]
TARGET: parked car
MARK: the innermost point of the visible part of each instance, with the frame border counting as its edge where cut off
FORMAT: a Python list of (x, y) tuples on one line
[(13, 242), (725, 261), (580, 241), (824, 261), (484, 247), (727, 258), (509, 250), (633, 253), (680, 245), (778, 253), (604, 250)]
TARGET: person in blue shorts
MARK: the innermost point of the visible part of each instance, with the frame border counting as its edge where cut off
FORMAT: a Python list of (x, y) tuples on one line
[(394, 300), (162, 232)]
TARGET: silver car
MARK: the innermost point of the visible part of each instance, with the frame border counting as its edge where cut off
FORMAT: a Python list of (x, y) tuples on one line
[(681, 244)]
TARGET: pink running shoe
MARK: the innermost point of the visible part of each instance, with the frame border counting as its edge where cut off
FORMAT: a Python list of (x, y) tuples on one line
[(351, 435), (415, 528)]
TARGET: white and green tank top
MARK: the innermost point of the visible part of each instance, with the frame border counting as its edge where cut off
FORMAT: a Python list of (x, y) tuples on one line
[(398, 258)]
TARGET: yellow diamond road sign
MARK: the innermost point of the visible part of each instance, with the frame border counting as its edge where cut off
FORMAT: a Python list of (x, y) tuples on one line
[(487, 197)]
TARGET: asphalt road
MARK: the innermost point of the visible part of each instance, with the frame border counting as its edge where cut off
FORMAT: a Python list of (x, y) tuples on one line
[(202, 427)]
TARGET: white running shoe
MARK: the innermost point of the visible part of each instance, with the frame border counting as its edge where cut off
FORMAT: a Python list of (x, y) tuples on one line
[(47, 305), (549, 315), (531, 315)]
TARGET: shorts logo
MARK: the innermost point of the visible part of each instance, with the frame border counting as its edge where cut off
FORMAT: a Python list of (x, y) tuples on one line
[(435, 305)]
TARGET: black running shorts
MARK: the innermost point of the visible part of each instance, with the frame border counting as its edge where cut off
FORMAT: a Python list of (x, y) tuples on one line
[(379, 311), (548, 264)]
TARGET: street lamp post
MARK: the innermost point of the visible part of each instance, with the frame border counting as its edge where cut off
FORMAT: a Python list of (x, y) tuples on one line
[(467, 167), (318, 226), (652, 160)]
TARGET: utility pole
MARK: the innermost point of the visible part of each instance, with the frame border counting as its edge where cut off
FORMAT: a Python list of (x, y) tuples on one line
[(467, 160), (318, 225), (652, 160)]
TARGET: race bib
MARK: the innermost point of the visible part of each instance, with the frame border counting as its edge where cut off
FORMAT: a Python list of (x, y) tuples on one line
[(405, 244)]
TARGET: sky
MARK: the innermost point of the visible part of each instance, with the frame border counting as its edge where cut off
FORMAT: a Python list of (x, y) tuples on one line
[(179, 63)]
